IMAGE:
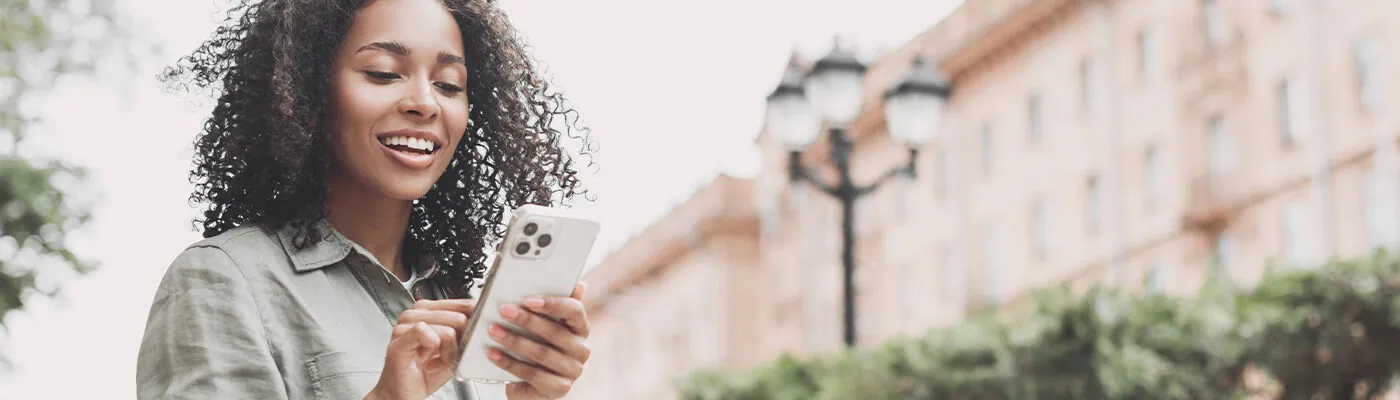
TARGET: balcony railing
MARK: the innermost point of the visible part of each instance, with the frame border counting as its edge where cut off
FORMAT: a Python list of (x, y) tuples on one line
[(1212, 200), (1211, 67)]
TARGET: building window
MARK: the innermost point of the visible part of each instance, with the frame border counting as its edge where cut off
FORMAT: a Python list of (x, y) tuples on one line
[(1295, 229), (1145, 60), (992, 255), (911, 291), (950, 284), (1086, 84), (1033, 117), (1040, 229), (1292, 112), (1094, 204), (987, 156), (1368, 86), (1155, 281), (1221, 149), (1224, 251), (1151, 178), (941, 173), (620, 364), (1216, 23), (1379, 214)]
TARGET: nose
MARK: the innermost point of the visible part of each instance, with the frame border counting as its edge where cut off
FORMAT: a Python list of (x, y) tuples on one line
[(419, 102)]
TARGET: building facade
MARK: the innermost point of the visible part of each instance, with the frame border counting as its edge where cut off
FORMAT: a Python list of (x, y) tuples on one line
[(1129, 142), (659, 305)]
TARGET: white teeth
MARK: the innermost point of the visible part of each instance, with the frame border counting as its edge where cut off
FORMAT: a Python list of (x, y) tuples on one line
[(413, 143)]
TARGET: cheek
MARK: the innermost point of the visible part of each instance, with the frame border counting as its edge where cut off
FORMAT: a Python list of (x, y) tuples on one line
[(456, 121), (355, 106)]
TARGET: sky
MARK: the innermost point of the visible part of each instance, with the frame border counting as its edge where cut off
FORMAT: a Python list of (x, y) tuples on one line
[(672, 91)]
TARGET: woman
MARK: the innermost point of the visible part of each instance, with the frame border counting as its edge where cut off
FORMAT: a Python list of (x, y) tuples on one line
[(359, 148)]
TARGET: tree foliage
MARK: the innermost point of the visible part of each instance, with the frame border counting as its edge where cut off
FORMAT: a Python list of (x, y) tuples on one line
[(42, 41), (1326, 333)]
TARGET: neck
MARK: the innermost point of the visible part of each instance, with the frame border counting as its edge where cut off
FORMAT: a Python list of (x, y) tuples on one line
[(375, 222)]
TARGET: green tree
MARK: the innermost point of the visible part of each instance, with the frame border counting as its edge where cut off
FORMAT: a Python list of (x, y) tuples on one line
[(42, 41)]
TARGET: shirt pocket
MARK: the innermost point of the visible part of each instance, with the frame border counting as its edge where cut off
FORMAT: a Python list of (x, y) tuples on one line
[(343, 375)]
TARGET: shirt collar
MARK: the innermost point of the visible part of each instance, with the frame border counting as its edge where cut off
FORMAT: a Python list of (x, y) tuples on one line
[(334, 247)]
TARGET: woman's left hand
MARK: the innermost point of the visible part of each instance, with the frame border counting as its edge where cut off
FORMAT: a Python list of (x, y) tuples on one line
[(562, 355)]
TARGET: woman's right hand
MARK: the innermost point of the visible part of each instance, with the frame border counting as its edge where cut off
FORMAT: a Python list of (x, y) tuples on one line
[(419, 358)]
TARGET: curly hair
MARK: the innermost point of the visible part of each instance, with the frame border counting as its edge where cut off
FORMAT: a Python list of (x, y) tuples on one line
[(263, 155)]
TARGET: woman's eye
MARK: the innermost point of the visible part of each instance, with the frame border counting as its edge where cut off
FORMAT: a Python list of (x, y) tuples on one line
[(449, 88), (381, 76)]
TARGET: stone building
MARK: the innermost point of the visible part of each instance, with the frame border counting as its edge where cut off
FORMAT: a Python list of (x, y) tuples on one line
[(1128, 142)]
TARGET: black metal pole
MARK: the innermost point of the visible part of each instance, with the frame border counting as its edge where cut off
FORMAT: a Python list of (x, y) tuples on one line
[(848, 267), (846, 192)]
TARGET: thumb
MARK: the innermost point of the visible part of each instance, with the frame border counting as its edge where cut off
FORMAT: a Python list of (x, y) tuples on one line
[(579, 289)]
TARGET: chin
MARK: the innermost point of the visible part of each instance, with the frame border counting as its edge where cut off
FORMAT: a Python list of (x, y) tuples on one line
[(408, 189)]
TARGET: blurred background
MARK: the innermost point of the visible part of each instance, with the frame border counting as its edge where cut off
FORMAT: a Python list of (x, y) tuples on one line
[(821, 199)]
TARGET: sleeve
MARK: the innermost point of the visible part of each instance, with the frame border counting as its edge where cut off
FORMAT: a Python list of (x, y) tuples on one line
[(204, 336)]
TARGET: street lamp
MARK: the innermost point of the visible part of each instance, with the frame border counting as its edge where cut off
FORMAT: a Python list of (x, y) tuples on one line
[(913, 112)]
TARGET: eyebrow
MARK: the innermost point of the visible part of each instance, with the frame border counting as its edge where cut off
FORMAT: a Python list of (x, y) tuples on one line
[(399, 49)]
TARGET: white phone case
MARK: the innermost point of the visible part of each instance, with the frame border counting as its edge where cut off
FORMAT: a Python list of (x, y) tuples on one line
[(551, 270)]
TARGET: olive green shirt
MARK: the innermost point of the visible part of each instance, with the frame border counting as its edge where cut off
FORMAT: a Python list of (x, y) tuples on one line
[(247, 315)]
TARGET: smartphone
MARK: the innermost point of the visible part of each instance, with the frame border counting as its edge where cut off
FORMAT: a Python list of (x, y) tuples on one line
[(543, 254)]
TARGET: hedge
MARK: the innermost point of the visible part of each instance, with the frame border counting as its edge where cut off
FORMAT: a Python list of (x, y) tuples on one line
[(1326, 333)]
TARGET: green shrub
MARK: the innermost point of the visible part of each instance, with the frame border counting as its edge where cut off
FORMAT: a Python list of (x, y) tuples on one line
[(1329, 333)]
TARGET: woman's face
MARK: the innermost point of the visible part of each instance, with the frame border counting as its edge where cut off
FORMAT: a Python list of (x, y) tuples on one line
[(399, 105)]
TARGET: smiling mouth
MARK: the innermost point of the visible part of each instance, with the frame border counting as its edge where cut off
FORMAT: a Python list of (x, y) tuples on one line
[(409, 145)]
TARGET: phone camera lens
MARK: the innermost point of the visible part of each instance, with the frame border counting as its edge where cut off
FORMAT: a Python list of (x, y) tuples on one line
[(522, 248), (531, 228), (545, 240)]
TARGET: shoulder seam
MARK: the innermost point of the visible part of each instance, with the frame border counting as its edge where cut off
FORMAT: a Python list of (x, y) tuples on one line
[(257, 307), (219, 240)]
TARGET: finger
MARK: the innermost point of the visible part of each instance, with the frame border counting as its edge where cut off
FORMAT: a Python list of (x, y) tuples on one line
[(579, 289), (400, 330), (553, 333), (547, 384), (464, 306), (540, 354), (452, 319), (448, 337), (428, 341), (403, 342), (522, 390), (446, 351), (568, 310)]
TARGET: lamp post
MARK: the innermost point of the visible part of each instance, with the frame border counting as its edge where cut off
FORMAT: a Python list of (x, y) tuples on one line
[(831, 92)]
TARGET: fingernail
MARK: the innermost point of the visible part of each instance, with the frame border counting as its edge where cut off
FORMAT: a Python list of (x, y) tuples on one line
[(496, 331), (534, 302), (494, 354), (510, 311)]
